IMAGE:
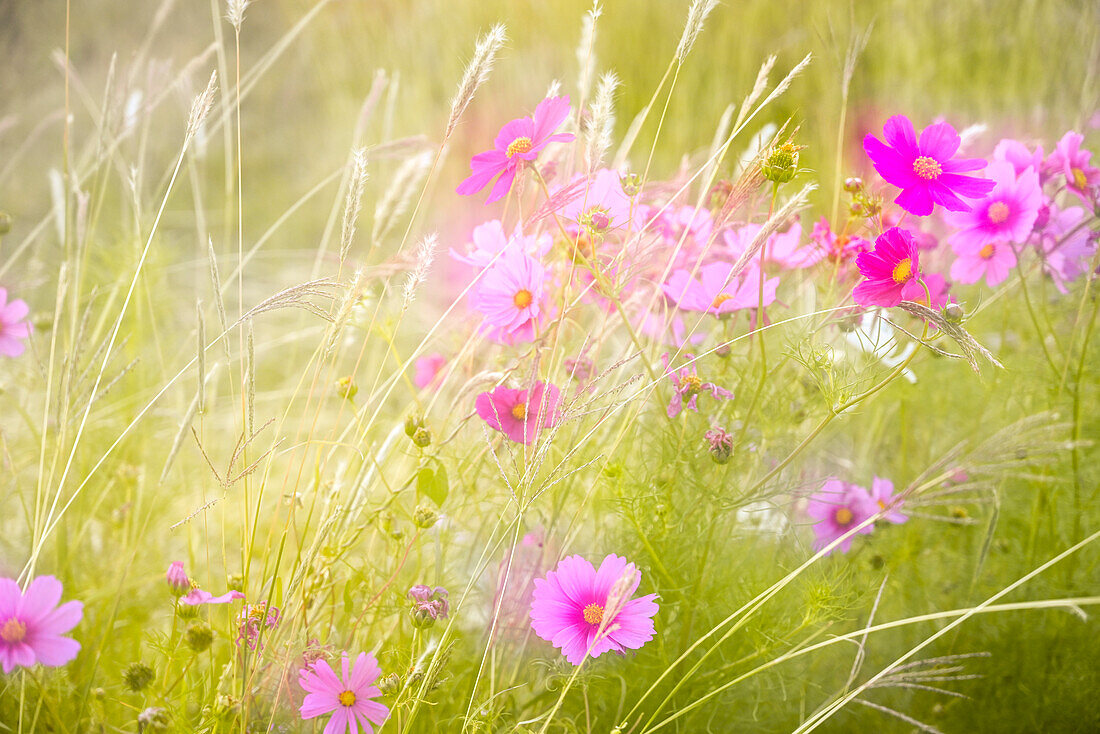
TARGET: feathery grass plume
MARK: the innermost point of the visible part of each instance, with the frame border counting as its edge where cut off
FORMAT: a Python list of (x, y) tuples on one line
[(219, 302), (697, 15), (969, 345), (354, 202), (477, 71), (586, 53), (200, 108), (395, 201), (714, 156), (784, 85), (597, 133), (758, 88), (425, 254), (344, 312), (785, 212), (193, 409), (297, 296), (234, 12)]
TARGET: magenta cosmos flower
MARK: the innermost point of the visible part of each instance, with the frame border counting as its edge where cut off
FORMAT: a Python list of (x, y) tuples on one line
[(718, 291), (571, 605), (520, 414), (509, 294), (347, 697), (518, 141), (838, 507), (32, 625), (892, 271), (925, 170), (688, 387), (882, 492), (1070, 160), (12, 326), (1006, 215)]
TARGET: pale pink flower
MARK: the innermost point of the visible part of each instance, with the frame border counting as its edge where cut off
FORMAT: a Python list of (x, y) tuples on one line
[(32, 625), (838, 507), (717, 291), (1067, 247), (1073, 162), (489, 238), (520, 414), (347, 697), (12, 326), (510, 293), (427, 369), (882, 492), (1017, 154), (600, 208), (992, 261)]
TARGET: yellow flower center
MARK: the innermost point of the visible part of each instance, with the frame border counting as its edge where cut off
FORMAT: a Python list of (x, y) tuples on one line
[(519, 145), (13, 631), (519, 411), (927, 168), (903, 271), (691, 384), (986, 252), (523, 298), (1079, 179), (593, 613), (843, 516), (720, 299), (346, 698), (998, 212)]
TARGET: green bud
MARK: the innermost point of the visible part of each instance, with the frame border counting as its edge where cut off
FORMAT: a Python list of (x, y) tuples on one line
[(5, 223), (853, 185), (425, 517), (412, 422), (632, 184), (346, 388), (186, 611), (137, 676), (198, 636), (389, 684), (422, 437), (954, 313), (236, 582), (781, 165)]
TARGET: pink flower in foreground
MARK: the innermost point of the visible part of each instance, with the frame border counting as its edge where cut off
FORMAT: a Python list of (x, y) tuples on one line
[(489, 238), (519, 141), (347, 697), (509, 293), (892, 271), (32, 625), (993, 261), (925, 170), (427, 369), (1006, 215), (718, 291), (520, 414), (838, 507), (1069, 159), (12, 326), (688, 387), (197, 596), (882, 492), (571, 605), (601, 205)]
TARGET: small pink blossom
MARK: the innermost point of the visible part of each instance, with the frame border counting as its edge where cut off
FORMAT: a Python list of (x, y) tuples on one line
[(427, 369), (12, 326), (32, 625), (1065, 245), (177, 578), (1006, 215), (717, 291), (518, 142), (1016, 153), (992, 261), (892, 271), (839, 248), (197, 596), (688, 387), (838, 507), (1073, 162), (925, 170), (569, 608), (882, 492), (347, 696), (520, 414)]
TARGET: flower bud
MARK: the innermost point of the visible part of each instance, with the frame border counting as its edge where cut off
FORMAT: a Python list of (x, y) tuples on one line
[(198, 636), (412, 422), (389, 684), (424, 517), (235, 582), (187, 611), (853, 185), (5, 223), (177, 579), (720, 443), (954, 313), (137, 676), (856, 208), (632, 184), (346, 388), (422, 437), (781, 165)]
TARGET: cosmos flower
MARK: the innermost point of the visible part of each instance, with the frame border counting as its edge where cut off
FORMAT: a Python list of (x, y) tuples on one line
[(838, 507), (12, 326), (520, 414), (1065, 246), (177, 578), (839, 248), (489, 238), (509, 293), (1069, 159), (584, 612), (32, 625), (1018, 156), (519, 141), (1006, 215), (882, 492), (347, 697), (925, 170), (992, 261), (892, 271), (717, 291), (687, 387), (427, 369)]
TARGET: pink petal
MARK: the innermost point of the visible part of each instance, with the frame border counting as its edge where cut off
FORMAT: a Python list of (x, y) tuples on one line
[(939, 141)]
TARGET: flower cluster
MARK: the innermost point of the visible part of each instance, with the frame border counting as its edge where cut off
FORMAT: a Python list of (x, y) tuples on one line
[(839, 507)]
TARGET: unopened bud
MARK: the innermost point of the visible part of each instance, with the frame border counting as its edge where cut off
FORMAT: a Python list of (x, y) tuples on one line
[(781, 165), (346, 388), (413, 422), (954, 313), (5, 223), (137, 676), (632, 184), (198, 636), (389, 684), (853, 185), (422, 437), (425, 517), (177, 579)]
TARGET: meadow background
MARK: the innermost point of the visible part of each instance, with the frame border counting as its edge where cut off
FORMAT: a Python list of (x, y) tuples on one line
[(327, 533)]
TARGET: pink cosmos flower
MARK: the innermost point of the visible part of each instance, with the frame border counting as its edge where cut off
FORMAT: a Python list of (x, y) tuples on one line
[(675, 222), (1069, 159), (519, 141), (520, 414), (892, 271), (1017, 154), (882, 492), (926, 171), (509, 293), (571, 605), (717, 291), (688, 386), (785, 249), (12, 326), (177, 578), (838, 248), (347, 697), (197, 596), (1065, 246), (600, 208), (32, 625), (838, 507), (251, 618), (1007, 214), (489, 238), (427, 369), (993, 261)]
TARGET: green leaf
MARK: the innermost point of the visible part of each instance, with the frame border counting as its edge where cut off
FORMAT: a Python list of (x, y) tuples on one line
[(433, 483)]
